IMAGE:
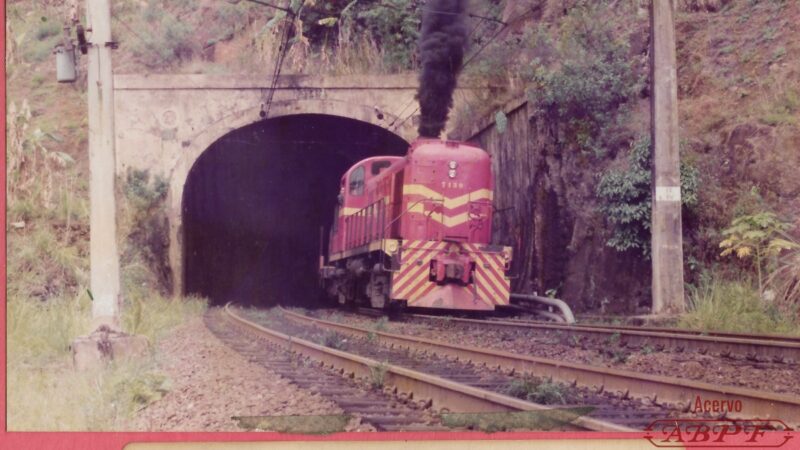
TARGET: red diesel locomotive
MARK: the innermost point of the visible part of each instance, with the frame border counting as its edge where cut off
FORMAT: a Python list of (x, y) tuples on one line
[(415, 231)]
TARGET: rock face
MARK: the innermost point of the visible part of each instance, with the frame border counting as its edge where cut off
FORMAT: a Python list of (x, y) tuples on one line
[(546, 209)]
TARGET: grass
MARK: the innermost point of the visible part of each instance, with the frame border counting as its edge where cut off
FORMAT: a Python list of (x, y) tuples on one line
[(377, 374), (48, 264), (734, 306), (46, 393), (537, 390), (380, 324), (157, 315), (783, 109), (333, 340)]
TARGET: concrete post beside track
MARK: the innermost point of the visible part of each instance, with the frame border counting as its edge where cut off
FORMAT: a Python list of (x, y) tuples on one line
[(667, 236)]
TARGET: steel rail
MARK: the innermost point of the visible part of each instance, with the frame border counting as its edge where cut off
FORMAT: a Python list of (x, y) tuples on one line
[(763, 405), (751, 346), (765, 337), (442, 393)]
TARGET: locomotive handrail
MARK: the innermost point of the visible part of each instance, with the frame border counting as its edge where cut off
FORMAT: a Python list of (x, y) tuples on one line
[(403, 213)]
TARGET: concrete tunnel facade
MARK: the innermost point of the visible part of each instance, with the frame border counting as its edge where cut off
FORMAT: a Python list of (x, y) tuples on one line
[(173, 125)]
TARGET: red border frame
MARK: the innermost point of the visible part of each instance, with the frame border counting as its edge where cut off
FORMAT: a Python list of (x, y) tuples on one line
[(117, 440)]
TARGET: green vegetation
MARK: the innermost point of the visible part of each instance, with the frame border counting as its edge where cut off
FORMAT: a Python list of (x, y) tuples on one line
[(46, 34), (333, 340), (537, 390), (153, 316), (783, 110), (167, 41), (49, 304), (380, 324), (627, 198), (396, 24), (143, 222), (377, 374), (761, 236), (586, 78), (45, 393), (718, 304)]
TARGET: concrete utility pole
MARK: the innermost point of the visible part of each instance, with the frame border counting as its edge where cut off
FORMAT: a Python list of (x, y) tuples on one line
[(107, 341), (105, 285), (667, 235)]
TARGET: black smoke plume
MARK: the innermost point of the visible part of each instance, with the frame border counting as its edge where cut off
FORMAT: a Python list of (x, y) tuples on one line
[(441, 48)]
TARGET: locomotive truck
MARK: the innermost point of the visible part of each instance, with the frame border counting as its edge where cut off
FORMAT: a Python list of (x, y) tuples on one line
[(416, 231)]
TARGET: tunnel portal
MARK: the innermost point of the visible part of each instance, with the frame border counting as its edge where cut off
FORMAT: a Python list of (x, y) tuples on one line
[(254, 202)]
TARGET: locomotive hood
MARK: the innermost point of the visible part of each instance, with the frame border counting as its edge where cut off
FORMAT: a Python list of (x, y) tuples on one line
[(452, 181)]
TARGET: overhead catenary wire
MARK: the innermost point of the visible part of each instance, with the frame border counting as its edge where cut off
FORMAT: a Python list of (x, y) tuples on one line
[(276, 73)]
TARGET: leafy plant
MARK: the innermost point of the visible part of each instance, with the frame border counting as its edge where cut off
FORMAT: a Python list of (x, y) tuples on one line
[(761, 236), (627, 198)]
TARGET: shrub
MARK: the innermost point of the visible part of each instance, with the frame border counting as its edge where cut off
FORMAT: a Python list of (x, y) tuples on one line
[(167, 42), (143, 222), (584, 77), (626, 198), (395, 26)]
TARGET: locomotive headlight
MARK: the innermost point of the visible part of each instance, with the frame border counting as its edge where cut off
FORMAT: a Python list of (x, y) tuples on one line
[(507, 255), (452, 164), (452, 173), (391, 246)]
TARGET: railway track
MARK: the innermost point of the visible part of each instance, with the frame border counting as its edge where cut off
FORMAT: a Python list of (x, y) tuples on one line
[(659, 389), (448, 391), (746, 346), (376, 408)]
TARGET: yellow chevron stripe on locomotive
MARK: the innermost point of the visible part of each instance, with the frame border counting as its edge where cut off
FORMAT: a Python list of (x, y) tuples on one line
[(487, 287)]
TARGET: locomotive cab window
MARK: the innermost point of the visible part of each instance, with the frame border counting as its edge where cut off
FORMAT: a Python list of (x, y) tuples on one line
[(357, 181), (377, 166)]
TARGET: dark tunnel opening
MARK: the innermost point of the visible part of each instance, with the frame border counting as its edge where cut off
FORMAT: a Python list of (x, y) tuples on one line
[(254, 203)]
